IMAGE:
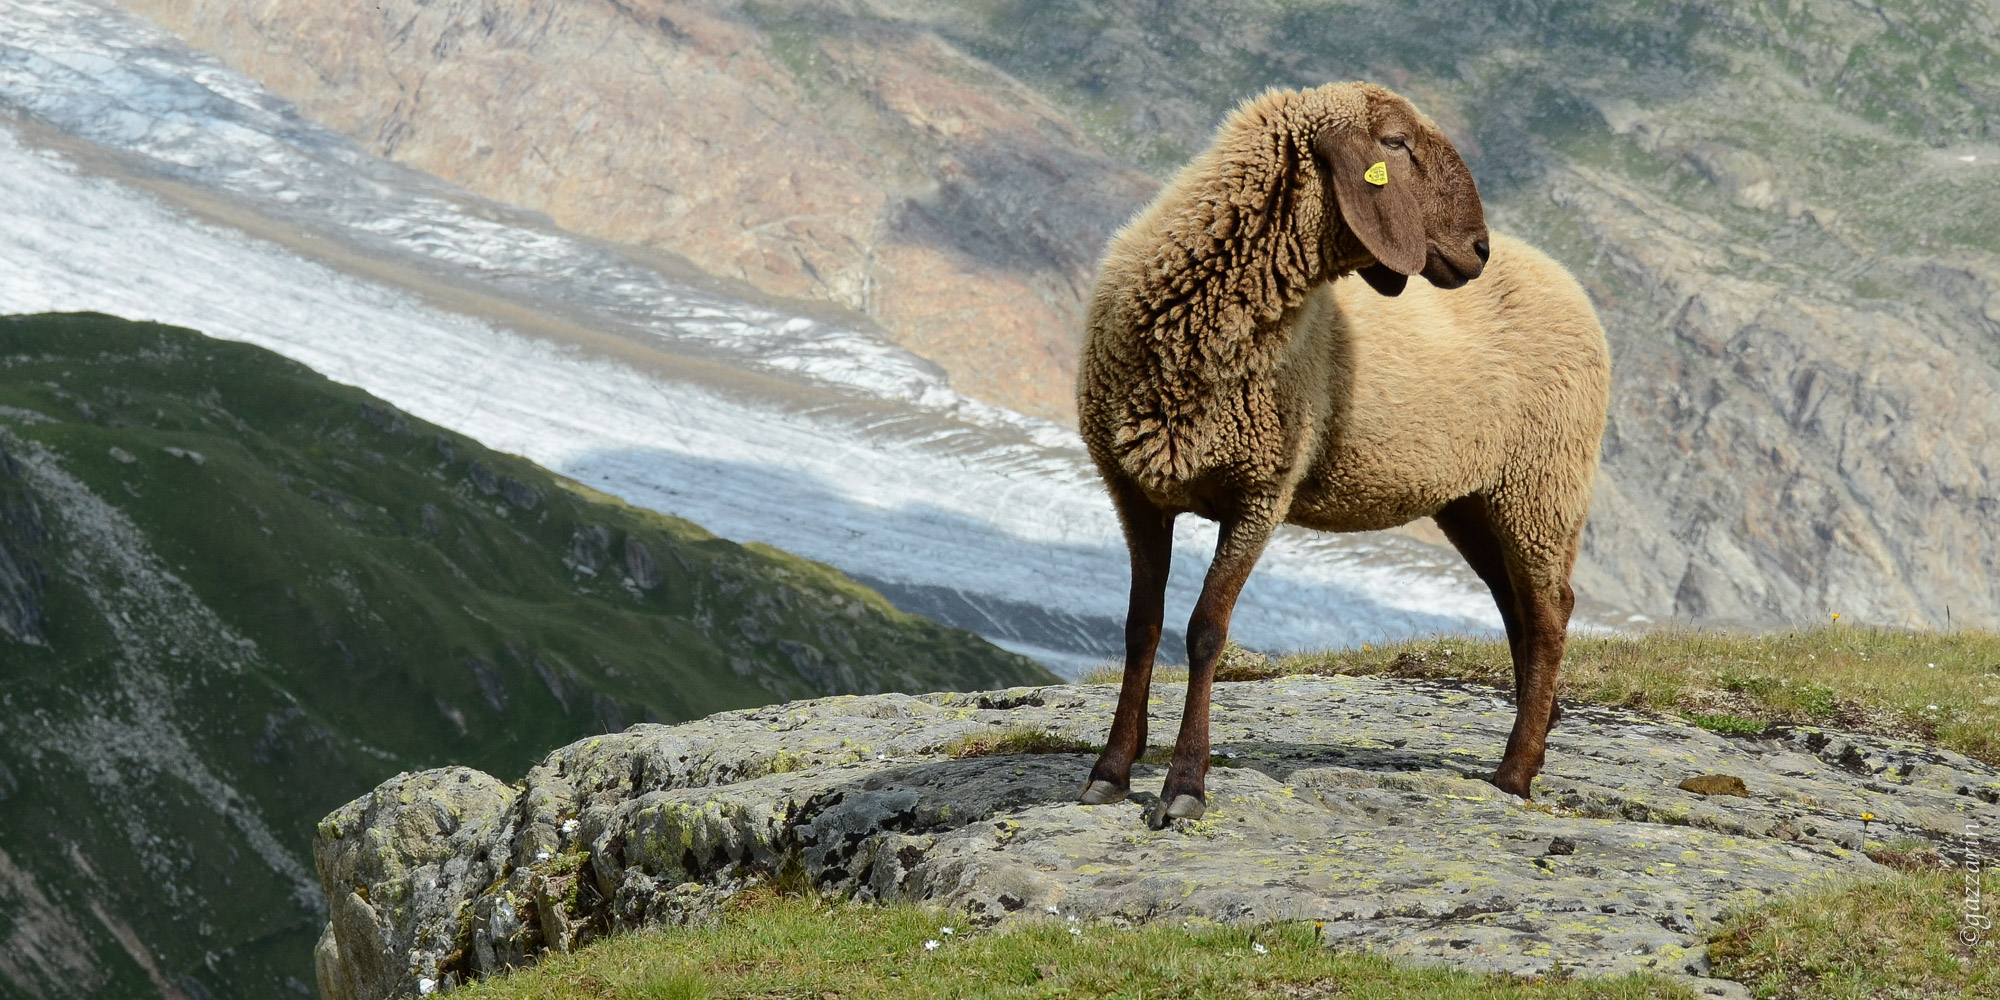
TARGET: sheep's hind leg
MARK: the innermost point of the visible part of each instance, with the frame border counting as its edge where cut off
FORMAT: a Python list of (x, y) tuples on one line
[(1468, 522), (1185, 794), (1149, 537)]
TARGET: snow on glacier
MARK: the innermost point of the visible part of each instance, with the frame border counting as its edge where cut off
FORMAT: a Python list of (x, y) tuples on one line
[(832, 443)]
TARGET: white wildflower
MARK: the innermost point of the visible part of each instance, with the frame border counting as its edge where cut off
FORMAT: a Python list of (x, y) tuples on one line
[(1053, 909), (946, 931), (1259, 948), (1932, 708), (1933, 666), (1072, 918), (931, 945), (570, 825), (1078, 931), (543, 855), (426, 987)]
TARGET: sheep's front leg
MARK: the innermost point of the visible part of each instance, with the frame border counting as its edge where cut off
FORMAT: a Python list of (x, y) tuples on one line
[(1149, 537), (1545, 612), (1185, 794)]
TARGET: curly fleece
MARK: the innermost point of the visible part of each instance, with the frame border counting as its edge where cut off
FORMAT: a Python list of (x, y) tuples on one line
[(1223, 369)]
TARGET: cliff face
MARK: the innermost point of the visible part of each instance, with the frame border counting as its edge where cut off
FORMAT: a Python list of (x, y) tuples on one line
[(22, 578), (1783, 211), (1339, 799)]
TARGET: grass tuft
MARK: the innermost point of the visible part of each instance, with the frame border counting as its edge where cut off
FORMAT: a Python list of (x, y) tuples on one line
[(1725, 723), (1891, 936), (1001, 742), (1235, 664), (684, 984), (1113, 673)]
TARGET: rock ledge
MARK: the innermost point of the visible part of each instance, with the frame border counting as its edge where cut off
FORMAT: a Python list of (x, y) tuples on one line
[(1356, 801)]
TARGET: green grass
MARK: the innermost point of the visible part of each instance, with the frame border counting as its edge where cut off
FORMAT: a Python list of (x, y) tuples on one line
[(809, 947), (1016, 740), (1894, 936), (1030, 740), (1727, 724), (1937, 687), (1112, 673)]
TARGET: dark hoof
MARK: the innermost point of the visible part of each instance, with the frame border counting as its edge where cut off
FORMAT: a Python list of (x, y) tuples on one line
[(1514, 781), (1182, 807), (1102, 792)]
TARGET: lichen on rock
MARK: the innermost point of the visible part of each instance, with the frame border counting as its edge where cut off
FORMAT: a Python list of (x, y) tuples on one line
[(1359, 802), (403, 866)]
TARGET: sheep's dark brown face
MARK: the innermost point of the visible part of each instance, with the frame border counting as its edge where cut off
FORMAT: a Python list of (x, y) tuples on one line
[(1454, 222), (1402, 197)]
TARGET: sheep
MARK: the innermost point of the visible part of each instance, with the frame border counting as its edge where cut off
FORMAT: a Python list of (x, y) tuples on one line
[(1227, 373)]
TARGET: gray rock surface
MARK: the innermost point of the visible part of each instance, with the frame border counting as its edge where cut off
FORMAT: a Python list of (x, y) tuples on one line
[(1355, 801), (411, 851)]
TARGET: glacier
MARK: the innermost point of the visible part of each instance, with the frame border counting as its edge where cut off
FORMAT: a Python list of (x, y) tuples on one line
[(146, 180)]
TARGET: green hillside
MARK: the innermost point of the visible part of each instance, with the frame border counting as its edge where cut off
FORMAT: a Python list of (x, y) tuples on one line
[(234, 595)]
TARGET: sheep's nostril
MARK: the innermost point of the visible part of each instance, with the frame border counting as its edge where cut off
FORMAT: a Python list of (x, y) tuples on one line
[(1483, 249)]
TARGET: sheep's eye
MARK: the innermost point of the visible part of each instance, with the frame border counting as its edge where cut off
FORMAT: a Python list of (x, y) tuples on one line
[(1395, 142)]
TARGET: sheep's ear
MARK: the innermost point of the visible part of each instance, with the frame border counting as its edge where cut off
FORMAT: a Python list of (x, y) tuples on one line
[(1383, 280), (1377, 193)]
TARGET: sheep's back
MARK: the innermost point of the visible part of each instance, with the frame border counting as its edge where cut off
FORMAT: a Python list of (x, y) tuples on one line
[(1454, 392)]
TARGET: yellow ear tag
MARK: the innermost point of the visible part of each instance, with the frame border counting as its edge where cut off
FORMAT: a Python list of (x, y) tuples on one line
[(1378, 174)]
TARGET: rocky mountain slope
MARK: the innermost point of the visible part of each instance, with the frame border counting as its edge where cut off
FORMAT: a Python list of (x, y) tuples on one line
[(1356, 801), (234, 594), (1783, 210), (878, 168)]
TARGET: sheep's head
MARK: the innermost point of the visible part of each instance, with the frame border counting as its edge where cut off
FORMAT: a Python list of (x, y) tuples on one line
[(1418, 212)]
